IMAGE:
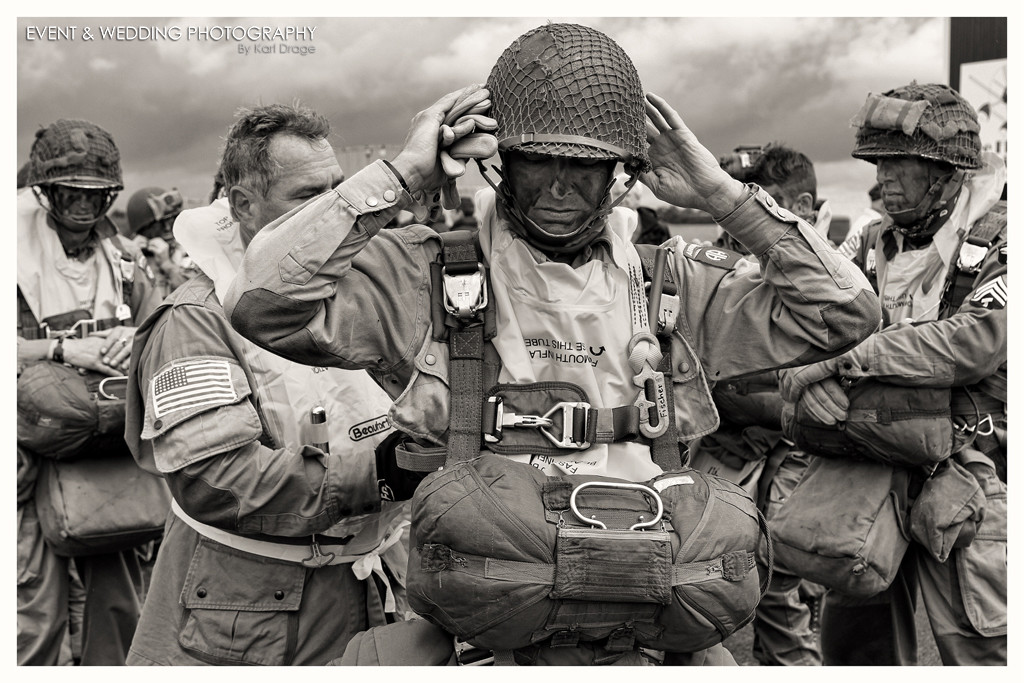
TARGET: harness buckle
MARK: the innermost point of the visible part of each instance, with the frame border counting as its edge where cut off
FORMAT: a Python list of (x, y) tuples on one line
[(668, 313), (652, 401), (568, 439), (471, 655), (504, 419), (464, 294), (317, 559), (83, 328)]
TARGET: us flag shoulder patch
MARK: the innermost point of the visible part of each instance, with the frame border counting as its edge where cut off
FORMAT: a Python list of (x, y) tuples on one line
[(992, 294), (192, 384)]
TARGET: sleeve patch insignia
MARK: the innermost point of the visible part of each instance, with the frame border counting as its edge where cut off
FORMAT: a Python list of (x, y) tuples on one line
[(991, 295), (712, 256)]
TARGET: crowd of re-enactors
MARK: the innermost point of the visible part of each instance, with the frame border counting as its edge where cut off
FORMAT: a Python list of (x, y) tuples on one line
[(249, 431)]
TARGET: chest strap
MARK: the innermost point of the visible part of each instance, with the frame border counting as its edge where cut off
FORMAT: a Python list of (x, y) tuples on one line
[(963, 272)]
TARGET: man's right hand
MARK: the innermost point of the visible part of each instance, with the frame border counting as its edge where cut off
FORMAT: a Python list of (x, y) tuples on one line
[(419, 162)]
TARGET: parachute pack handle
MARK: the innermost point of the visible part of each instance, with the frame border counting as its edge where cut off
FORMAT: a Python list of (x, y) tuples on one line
[(651, 493), (114, 388)]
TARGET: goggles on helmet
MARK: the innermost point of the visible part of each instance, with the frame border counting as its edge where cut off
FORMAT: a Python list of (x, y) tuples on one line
[(69, 203)]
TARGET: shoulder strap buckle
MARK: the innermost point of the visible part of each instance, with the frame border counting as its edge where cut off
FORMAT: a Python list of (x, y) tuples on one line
[(464, 294)]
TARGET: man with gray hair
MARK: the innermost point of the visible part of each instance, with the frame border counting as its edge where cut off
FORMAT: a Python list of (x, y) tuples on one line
[(285, 538)]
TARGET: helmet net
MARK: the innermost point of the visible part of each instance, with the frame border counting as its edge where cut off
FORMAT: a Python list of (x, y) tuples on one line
[(76, 153), (930, 121), (569, 90)]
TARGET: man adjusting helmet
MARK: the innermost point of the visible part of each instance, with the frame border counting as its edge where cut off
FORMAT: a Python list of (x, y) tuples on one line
[(532, 349)]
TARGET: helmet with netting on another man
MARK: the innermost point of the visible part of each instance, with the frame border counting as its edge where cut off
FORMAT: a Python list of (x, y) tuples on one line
[(75, 170)]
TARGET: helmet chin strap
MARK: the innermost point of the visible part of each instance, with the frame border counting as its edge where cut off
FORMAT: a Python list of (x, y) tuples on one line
[(533, 233), (921, 220)]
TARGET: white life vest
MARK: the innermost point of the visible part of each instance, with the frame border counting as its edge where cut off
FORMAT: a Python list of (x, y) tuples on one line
[(559, 323), (69, 284)]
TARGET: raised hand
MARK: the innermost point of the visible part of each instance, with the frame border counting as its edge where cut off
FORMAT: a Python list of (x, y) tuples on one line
[(438, 128), (685, 173)]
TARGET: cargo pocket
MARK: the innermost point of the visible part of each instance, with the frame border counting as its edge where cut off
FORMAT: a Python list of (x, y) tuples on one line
[(239, 607), (981, 566)]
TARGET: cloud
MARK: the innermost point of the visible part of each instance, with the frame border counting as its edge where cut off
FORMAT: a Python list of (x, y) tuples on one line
[(734, 80)]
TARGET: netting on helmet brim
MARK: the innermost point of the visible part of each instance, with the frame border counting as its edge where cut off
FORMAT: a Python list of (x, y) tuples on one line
[(962, 150)]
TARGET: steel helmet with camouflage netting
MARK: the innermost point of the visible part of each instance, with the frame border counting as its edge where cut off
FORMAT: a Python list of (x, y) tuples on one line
[(931, 122), (566, 90), (73, 153), (152, 205)]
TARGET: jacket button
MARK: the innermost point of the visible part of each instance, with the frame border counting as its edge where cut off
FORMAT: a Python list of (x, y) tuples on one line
[(279, 595), (389, 196), (371, 201), (201, 592), (684, 367), (430, 359), (158, 424)]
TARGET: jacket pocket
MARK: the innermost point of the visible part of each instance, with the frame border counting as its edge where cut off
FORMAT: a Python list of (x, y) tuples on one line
[(238, 606), (981, 566)]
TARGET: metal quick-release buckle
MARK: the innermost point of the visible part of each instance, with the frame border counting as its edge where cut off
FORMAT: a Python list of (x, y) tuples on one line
[(568, 409), (80, 330), (506, 418), (652, 398), (464, 294), (471, 655)]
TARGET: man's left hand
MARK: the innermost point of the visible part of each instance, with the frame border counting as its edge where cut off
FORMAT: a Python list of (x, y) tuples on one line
[(685, 173), (826, 401)]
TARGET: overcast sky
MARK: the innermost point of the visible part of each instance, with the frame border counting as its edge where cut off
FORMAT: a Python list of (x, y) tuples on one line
[(734, 80)]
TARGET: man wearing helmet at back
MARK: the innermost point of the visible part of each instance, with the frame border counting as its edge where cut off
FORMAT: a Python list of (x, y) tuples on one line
[(327, 286), (939, 258), (79, 298), (151, 213)]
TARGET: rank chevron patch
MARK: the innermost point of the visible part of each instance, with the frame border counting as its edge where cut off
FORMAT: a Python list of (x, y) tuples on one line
[(992, 294)]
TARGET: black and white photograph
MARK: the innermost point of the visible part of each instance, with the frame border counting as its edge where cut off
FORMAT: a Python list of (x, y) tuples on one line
[(565, 339)]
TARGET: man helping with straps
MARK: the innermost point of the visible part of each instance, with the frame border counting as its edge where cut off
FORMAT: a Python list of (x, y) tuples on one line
[(556, 298)]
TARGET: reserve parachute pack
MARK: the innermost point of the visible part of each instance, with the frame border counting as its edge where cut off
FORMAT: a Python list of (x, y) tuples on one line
[(504, 557)]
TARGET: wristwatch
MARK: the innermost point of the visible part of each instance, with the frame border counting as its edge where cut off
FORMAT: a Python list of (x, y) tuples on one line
[(57, 351)]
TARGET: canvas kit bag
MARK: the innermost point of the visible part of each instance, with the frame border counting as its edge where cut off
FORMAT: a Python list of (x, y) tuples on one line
[(91, 496)]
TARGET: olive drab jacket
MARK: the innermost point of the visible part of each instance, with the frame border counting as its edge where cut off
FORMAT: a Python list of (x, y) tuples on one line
[(262, 491), (325, 285)]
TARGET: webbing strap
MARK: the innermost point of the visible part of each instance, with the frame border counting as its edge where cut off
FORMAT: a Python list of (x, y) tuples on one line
[(610, 425), (959, 282), (466, 354), (419, 462), (665, 448), (543, 574), (465, 375)]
